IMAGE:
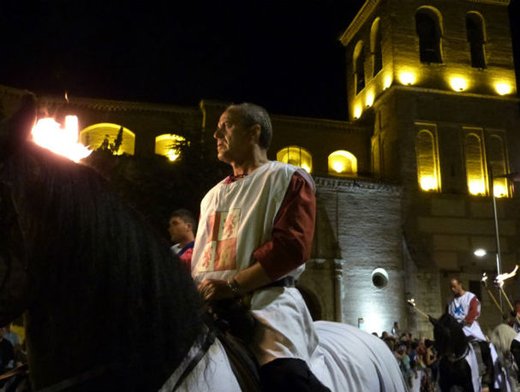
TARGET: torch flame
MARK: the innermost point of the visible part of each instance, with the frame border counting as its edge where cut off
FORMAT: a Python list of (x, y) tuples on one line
[(499, 280), (61, 140), (411, 302)]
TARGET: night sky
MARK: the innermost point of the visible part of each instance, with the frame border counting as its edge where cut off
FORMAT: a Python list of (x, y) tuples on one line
[(284, 55)]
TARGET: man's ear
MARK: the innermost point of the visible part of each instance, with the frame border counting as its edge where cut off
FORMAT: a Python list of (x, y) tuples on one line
[(256, 131)]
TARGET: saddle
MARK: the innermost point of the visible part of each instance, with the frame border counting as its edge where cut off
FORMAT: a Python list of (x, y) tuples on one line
[(235, 329)]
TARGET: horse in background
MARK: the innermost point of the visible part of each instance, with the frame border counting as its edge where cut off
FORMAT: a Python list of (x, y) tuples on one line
[(107, 306), (459, 359), (502, 337)]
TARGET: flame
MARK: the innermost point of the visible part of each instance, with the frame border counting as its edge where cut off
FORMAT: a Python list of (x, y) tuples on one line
[(49, 134), (411, 302), (499, 280)]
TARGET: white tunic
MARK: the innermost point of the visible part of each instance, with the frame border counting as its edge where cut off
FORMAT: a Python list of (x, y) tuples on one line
[(459, 308), (236, 219)]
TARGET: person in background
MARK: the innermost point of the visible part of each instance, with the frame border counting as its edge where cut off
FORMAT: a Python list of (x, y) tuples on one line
[(6, 353), (514, 320), (11, 336), (182, 227)]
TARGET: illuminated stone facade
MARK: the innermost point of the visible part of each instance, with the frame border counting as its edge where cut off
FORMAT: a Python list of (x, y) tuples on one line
[(445, 109), (400, 219)]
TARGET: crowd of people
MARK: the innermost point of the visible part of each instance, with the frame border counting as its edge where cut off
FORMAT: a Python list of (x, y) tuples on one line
[(12, 355), (417, 358)]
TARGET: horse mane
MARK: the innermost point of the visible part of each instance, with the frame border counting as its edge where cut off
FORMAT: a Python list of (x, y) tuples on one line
[(501, 337), (100, 277), (449, 336)]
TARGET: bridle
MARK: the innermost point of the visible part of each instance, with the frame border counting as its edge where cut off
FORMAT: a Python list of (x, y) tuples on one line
[(452, 358)]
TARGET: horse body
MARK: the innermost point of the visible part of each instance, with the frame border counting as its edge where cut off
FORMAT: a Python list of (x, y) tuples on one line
[(459, 363), (346, 360), (501, 337), (107, 305)]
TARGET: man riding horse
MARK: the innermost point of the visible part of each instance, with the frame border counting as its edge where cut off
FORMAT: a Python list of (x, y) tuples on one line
[(465, 308), (254, 236)]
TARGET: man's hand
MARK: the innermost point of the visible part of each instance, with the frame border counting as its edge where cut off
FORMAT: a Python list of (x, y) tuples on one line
[(213, 290)]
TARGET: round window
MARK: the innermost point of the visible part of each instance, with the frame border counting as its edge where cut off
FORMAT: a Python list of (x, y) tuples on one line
[(379, 278)]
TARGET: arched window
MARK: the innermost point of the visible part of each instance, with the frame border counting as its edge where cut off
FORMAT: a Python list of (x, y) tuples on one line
[(169, 145), (359, 67), (476, 38), (342, 162), (428, 27), (428, 173), (475, 174), (375, 46), (296, 156), (497, 161), (114, 137)]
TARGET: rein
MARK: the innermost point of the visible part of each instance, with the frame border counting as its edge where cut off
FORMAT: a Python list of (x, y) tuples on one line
[(452, 358), (208, 341)]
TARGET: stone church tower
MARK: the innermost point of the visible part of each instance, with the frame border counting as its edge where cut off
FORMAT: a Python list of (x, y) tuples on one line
[(435, 81)]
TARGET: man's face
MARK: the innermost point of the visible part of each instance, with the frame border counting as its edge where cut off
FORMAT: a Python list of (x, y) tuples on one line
[(234, 141), (456, 287), (178, 229)]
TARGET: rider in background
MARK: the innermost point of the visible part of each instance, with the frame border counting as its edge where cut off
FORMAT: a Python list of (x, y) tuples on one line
[(514, 320), (465, 308)]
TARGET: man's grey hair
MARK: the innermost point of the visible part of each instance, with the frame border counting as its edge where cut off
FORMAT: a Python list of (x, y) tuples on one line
[(252, 114)]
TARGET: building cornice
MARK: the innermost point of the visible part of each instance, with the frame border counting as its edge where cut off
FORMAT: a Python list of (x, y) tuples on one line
[(361, 185), (118, 106), (497, 2), (103, 104), (317, 123), (358, 21), (505, 98)]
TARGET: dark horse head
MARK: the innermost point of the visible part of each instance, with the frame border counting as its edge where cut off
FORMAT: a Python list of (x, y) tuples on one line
[(450, 339), (452, 345), (103, 297)]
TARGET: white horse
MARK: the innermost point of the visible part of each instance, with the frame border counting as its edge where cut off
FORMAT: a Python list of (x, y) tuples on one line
[(502, 337), (347, 360)]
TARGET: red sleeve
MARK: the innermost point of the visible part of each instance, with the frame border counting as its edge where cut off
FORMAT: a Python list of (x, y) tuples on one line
[(473, 312), (293, 230)]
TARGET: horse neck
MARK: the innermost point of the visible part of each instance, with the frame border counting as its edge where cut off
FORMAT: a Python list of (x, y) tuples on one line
[(98, 299)]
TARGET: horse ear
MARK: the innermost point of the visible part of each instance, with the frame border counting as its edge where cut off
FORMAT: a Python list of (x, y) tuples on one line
[(432, 320), (15, 129)]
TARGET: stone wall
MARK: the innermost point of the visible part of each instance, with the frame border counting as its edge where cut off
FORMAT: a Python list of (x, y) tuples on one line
[(358, 230)]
